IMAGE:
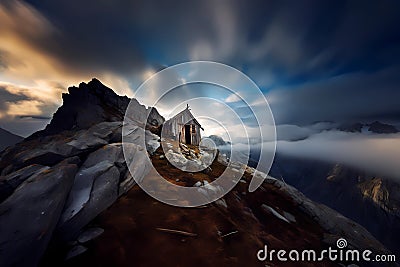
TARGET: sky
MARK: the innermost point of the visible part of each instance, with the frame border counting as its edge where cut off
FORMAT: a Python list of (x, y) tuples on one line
[(318, 63)]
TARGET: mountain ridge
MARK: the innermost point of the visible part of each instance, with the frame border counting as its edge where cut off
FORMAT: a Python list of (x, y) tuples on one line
[(374, 127)]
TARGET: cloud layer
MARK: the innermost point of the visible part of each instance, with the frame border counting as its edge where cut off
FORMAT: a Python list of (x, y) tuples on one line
[(375, 153)]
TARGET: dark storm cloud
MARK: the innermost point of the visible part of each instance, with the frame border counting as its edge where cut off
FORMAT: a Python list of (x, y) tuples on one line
[(21, 125), (345, 98), (6, 98), (20, 102), (88, 38), (30, 121), (286, 34), (315, 60)]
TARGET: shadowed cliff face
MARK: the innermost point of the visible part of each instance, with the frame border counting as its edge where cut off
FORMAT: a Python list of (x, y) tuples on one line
[(71, 183)]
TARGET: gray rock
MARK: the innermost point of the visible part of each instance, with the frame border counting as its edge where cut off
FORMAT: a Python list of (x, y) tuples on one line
[(7, 170), (42, 157), (336, 225), (222, 159), (82, 188), (152, 142), (272, 211), (112, 153), (154, 118), (17, 177), (134, 134), (97, 185), (51, 150), (30, 214), (342, 227), (105, 129), (289, 217), (126, 184), (90, 234), (47, 153), (221, 202), (87, 140), (75, 251), (137, 160), (103, 194), (139, 113), (96, 136), (10, 182)]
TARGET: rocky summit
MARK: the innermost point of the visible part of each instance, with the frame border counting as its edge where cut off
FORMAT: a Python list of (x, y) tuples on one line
[(68, 199)]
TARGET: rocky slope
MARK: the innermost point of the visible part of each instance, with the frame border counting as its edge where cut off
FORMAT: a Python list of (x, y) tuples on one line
[(227, 232), (369, 199), (61, 178), (68, 184)]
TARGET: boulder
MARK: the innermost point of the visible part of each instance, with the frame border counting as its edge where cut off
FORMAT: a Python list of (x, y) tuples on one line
[(90, 234), (103, 193), (82, 188), (136, 135), (97, 163), (10, 182), (30, 214), (96, 136), (75, 251), (138, 162)]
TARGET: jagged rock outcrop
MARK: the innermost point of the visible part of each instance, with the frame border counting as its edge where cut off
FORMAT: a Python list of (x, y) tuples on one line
[(92, 103), (61, 178), (383, 192)]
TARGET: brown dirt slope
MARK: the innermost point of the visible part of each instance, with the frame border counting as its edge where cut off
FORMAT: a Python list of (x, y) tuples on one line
[(223, 236)]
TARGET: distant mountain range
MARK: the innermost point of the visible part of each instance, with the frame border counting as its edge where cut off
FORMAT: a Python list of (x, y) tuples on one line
[(219, 141), (8, 139), (375, 127)]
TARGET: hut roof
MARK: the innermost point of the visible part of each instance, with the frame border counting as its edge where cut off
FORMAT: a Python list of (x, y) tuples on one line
[(190, 115)]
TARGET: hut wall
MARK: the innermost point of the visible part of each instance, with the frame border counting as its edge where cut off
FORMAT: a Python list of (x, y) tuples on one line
[(175, 128)]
